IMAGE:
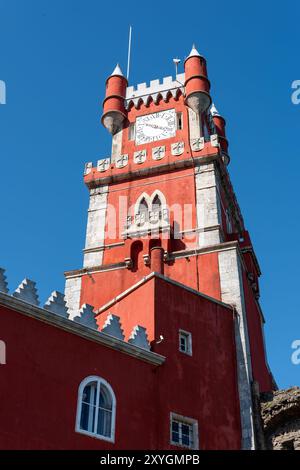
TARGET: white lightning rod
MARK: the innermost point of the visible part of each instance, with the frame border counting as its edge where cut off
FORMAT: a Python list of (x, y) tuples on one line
[(129, 51)]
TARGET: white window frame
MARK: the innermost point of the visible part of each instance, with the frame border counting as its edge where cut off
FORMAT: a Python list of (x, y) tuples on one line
[(188, 336), (100, 381), (195, 429)]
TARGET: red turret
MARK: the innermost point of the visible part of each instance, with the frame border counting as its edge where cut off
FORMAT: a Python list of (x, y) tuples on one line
[(220, 125), (114, 112), (197, 85)]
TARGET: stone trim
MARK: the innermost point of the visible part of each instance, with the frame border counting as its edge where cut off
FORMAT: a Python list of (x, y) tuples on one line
[(171, 256), (103, 247), (152, 170), (156, 89), (95, 232), (72, 327), (207, 204), (232, 291)]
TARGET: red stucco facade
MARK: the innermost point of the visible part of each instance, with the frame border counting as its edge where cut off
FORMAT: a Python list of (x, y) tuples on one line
[(46, 364)]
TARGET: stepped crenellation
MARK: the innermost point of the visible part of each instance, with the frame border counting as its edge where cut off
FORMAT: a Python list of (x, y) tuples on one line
[(27, 292), (155, 90)]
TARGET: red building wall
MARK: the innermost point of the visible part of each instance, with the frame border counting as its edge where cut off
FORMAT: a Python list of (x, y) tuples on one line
[(45, 365)]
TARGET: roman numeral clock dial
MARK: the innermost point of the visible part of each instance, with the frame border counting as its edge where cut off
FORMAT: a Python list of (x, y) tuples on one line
[(156, 126)]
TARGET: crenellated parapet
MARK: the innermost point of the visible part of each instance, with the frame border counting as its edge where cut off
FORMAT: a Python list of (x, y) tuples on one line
[(27, 294), (156, 90), (3, 282)]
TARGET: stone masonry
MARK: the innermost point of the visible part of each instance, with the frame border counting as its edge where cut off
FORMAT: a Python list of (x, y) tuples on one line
[(280, 411)]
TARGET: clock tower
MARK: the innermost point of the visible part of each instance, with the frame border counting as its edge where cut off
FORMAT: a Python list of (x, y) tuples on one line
[(163, 203)]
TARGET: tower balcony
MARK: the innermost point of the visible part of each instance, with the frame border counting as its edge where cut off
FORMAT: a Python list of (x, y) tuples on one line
[(147, 223)]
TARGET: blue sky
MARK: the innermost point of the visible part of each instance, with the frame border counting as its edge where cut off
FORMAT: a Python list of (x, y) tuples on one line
[(55, 57)]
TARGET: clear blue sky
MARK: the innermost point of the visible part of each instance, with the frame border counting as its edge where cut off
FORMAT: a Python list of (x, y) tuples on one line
[(55, 57)]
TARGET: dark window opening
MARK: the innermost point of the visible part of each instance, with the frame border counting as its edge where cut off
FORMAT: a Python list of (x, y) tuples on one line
[(179, 121)]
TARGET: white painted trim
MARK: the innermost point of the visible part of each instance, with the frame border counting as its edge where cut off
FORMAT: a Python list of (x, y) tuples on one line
[(142, 196), (100, 381), (188, 335), (187, 420)]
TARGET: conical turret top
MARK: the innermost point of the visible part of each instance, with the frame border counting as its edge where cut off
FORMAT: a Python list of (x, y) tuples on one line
[(117, 71), (194, 52), (214, 111)]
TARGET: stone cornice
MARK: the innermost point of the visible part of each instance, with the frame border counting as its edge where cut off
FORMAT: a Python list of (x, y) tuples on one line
[(249, 249), (172, 255), (152, 170)]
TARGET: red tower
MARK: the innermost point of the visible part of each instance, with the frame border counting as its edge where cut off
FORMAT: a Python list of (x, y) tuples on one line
[(164, 204)]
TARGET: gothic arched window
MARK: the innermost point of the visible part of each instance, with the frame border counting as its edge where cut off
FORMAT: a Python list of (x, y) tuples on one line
[(156, 203), (143, 212), (156, 212), (96, 409)]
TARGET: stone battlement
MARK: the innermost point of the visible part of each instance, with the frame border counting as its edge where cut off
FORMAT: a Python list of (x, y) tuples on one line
[(156, 89), (56, 304)]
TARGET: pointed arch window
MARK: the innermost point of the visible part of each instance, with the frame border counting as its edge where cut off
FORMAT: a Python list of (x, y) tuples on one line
[(143, 207), (143, 212), (96, 409), (156, 203), (156, 212)]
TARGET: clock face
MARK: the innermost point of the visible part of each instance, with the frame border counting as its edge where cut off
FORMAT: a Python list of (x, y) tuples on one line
[(156, 126)]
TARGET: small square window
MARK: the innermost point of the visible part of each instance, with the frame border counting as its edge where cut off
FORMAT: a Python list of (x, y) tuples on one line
[(185, 342), (184, 431)]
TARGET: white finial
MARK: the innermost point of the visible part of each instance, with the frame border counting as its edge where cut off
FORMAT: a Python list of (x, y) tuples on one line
[(214, 111), (117, 71), (194, 52)]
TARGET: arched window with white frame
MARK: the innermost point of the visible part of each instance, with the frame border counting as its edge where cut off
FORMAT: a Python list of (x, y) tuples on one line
[(143, 210), (156, 203), (96, 409)]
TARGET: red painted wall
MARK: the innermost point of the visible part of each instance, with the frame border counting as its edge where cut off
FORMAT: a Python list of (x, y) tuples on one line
[(45, 365), (210, 371), (200, 273)]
